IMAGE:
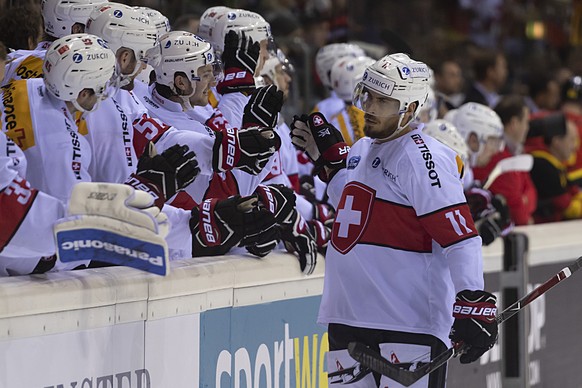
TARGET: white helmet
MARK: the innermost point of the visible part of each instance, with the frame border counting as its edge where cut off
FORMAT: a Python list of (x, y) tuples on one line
[(270, 67), (329, 54), (60, 15), (158, 19), (240, 20), (429, 111), (123, 26), (346, 73), (179, 51), (77, 62), (208, 21), (476, 118), (398, 77), (447, 133)]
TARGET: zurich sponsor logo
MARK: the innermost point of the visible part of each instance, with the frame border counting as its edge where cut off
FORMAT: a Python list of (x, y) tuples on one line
[(376, 162), (209, 57), (77, 58), (353, 162), (118, 13), (350, 67), (102, 43), (231, 16), (168, 44), (365, 77), (405, 71)]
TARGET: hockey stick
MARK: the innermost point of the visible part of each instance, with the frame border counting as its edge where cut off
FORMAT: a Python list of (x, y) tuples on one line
[(401, 373), (515, 163)]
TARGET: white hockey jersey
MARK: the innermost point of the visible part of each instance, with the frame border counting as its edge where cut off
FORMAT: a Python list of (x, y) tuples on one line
[(402, 232), (26, 215), (210, 185), (25, 64), (41, 125), (330, 106)]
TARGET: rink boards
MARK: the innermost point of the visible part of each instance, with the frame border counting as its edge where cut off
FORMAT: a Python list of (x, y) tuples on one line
[(239, 322)]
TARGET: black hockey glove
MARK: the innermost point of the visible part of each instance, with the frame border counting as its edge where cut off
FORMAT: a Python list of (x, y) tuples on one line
[(490, 214), (321, 234), (475, 323), (279, 200), (307, 188), (240, 58), (261, 244), (257, 145), (263, 108), (165, 174), (298, 239), (219, 225), (322, 142)]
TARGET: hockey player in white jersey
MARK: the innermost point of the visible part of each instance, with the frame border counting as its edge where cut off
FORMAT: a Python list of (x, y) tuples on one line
[(162, 25), (183, 65), (403, 242), (345, 75), (61, 17), (324, 60)]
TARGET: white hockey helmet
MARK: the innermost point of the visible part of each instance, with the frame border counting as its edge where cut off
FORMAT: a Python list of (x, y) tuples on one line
[(179, 51), (123, 26), (208, 21), (158, 19), (77, 62), (447, 133), (329, 54), (478, 119), (346, 73), (399, 78), (270, 67), (241, 20), (60, 15)]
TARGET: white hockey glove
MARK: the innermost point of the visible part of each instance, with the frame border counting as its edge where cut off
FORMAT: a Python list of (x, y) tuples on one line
[(116, 224)]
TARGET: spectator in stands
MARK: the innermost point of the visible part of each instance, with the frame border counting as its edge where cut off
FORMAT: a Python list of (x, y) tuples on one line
[(517, 187), (557, 199), (21, 27), (544, 93), (187, 22), (490, 72), (448, 86), (571, 106)]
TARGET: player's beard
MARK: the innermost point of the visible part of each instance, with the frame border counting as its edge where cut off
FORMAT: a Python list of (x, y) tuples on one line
[(377, 127)]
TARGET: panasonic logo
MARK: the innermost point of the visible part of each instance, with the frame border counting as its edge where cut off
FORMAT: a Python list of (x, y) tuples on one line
[(110, 247)]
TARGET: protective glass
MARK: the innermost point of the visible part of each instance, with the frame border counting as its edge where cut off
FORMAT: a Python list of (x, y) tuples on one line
[(374, 103)]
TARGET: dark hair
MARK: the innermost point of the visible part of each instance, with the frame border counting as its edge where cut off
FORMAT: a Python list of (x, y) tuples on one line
[(483, 61), (182, 23), (538, 83), (2, 52), (548, 127), (510, 106), (19, 24)]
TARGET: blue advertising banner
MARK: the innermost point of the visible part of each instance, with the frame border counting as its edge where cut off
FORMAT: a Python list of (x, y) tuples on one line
[(272, 345)]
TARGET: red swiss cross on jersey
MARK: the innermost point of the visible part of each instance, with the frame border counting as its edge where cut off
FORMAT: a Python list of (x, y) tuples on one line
[(354, 210)]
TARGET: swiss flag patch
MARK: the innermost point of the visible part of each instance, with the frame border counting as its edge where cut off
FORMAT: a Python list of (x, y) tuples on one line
[(353, 214)]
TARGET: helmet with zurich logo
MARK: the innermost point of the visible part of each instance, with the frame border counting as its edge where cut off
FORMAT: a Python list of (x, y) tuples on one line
[(179, 51), (346, 73), (60, 15), (77, 62), (123, 26), (157, 18), (241, 20), (329, 54), (399, 78)]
